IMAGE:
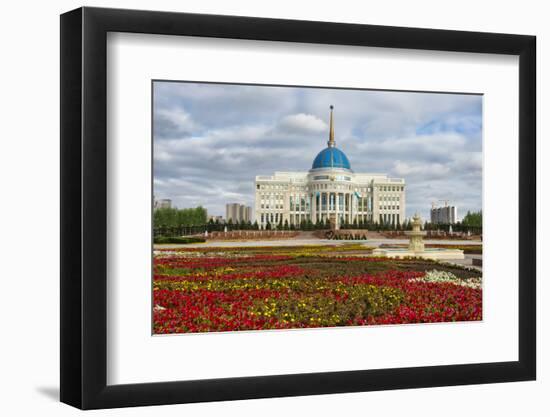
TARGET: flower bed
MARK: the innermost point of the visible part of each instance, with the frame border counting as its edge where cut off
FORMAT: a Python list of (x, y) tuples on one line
[(274, 288)]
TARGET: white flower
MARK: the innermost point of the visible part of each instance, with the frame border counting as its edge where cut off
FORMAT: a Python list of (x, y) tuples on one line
[(443, 276)]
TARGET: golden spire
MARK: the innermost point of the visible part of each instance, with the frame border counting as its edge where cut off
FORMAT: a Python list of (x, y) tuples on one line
[(331, 142)]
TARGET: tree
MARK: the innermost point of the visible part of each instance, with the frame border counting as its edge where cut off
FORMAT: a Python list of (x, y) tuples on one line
[(173, 221), (474, 219)]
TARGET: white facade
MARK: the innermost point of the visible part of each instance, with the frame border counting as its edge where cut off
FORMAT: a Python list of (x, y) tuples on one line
[(304, 196), (237, 213), (444, 215), (162, 204), (330, 189)]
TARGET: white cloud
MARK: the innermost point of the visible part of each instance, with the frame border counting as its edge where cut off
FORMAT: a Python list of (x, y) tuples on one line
[(179, 117), (174, 122), (302, 122), (437, 144), (433, 170), (212, 139), (468, 162)]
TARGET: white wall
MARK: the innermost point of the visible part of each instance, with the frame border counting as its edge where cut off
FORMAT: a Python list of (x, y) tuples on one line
[(29, 172)]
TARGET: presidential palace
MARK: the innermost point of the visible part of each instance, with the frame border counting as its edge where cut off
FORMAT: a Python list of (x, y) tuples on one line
[(329, 191)]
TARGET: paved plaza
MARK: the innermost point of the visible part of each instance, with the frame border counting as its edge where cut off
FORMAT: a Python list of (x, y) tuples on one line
[(467, 261), (303, 242)]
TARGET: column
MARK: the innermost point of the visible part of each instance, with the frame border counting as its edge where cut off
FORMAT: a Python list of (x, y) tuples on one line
[(350, 210), (298, 209), (312, 207), (346, 207), (317, 206), (329, 201), (337, 208), (323, 212)]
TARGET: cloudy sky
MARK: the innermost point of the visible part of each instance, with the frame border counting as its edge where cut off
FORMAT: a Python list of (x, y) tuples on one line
[(211, 140)]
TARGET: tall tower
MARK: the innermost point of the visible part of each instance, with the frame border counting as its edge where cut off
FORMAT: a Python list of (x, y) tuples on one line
[(331, 142)]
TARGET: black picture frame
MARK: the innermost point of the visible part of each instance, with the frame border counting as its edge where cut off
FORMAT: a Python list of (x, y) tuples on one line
[(84, 207)]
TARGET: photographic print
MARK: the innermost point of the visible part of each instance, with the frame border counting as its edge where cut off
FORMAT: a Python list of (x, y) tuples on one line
[(292, 207)]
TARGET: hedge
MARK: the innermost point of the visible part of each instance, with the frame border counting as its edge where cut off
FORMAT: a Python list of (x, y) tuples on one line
[(167, 239)]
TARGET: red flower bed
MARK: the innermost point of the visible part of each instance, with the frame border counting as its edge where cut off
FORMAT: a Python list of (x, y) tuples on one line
[(425, 302), (201, 294)]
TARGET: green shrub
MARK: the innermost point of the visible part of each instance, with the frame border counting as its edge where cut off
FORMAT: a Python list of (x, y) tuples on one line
[(183, 240)]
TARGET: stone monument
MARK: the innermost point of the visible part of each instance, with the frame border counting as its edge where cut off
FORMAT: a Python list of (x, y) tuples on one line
[(416, 241), (416, 247)]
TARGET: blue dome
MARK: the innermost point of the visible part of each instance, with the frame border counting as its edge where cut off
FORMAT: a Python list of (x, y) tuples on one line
[(331, 157)]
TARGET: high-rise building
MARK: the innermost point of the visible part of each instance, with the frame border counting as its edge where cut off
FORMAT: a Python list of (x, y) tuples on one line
[(329, 191), (162, 203), (215, 218), (237, 213), (443, 215)]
